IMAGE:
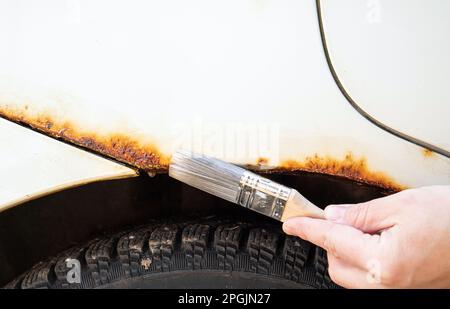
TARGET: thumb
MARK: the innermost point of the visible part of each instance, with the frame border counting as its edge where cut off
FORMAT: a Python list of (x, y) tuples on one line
[(369, 217)]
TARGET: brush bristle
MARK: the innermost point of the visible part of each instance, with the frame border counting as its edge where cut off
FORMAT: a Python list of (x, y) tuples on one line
[(207, 174)]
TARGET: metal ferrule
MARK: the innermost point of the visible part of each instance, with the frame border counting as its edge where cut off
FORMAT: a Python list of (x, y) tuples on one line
[(262, 195)]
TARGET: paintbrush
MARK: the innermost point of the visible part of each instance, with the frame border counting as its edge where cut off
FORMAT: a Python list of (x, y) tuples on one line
[(237, 185)]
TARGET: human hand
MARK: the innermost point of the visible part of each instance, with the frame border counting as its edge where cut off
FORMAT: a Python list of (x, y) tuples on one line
[(398, 241)]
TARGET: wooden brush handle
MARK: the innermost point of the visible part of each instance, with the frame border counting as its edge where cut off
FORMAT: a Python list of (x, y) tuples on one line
[(298, 205)]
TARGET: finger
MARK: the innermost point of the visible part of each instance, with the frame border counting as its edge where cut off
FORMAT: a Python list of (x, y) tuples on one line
[(342, 241), (369, 217), (351, 277)]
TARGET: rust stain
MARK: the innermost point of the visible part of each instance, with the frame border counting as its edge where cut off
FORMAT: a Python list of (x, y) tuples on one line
[(348, 167), (262, 161), (117, 146), (148, 158), (427, 153)]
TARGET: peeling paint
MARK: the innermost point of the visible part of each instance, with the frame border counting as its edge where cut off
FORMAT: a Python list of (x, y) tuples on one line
[(117, 146), (147, 157), (348, 167), (262, 161)]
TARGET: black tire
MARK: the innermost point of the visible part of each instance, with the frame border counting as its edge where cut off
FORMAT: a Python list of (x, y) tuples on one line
[(205, 253)]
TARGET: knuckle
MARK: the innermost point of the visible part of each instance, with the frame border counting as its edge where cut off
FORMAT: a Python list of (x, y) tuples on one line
[(393, 274), (409, 196), (358, 215)]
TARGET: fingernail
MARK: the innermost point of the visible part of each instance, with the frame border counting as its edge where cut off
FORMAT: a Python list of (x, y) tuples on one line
[(288, 227), (335, 213)]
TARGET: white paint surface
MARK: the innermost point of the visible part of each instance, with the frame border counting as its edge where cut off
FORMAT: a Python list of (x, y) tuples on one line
[(237, 79), (393, 59), (33, 165)]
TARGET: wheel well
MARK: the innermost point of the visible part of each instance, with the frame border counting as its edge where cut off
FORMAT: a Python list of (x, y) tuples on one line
[(44, 227)]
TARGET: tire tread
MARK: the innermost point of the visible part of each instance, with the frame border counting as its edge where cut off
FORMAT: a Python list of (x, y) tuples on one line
[(211, 244)]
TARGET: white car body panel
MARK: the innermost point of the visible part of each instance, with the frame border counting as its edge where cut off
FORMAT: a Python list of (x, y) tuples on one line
[(245, 81), (33, 165), (392, 57)]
